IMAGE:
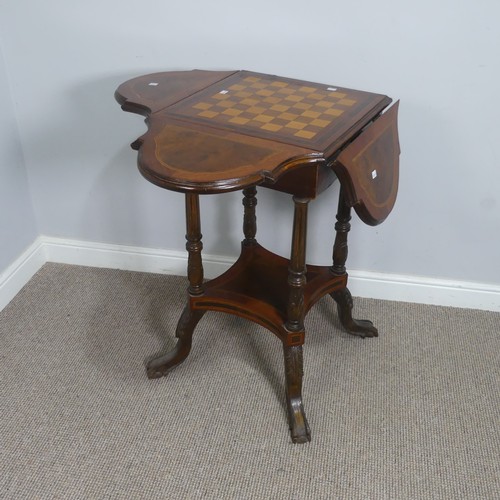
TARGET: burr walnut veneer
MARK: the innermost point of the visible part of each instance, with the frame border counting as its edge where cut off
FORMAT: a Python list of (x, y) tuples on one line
[(210, 132)]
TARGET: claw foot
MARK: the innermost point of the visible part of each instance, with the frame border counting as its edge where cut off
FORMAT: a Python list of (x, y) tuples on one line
[(362, 328), (299, 428), (359, 327), (159, 367)]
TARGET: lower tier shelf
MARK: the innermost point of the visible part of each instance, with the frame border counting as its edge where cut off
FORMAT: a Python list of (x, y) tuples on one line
[(256, 288)]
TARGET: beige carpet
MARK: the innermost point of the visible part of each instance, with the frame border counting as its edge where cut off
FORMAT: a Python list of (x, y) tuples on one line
[(413, 414)]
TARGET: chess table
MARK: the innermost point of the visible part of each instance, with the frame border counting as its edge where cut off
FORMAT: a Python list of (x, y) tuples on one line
[(211, 132)]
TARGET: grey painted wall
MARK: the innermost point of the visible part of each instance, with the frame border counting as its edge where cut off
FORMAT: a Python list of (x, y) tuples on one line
[(17, 220), (440, 58)]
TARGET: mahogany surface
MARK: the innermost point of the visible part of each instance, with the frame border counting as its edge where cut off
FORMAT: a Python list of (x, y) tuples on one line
[(211, 132), (281, 126)]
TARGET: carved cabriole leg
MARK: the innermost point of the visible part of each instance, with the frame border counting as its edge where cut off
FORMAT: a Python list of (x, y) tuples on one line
[(343, 298), (299, 427), (187, 323), (249, 218), (189, 319)]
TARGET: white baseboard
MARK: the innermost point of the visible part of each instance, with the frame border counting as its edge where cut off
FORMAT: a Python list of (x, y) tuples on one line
[(127, 258), (424, 290), (362, 283), (21, 271)]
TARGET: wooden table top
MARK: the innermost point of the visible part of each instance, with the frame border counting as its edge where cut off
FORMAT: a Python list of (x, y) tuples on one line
[(211, 131)]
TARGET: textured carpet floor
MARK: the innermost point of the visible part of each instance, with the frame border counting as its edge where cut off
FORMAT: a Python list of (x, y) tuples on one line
[(413, 414)]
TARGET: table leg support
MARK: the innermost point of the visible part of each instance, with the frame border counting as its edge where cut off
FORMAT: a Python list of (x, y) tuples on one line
[(250, 219), (299, 427), (194, 245), (189, 319), (343, 297), (297, 269)]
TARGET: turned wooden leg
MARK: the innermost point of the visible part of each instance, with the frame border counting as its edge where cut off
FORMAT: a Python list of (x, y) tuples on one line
[(343, 298), (299, 428), (249, 218), (189, 319), (297, 269), (194, 246), (159, 367), (342, 228)]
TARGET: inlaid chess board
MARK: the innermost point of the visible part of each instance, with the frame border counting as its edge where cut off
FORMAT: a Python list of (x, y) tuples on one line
[(280, 109)]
